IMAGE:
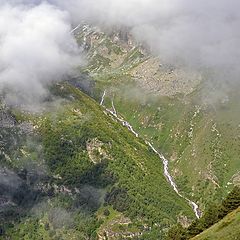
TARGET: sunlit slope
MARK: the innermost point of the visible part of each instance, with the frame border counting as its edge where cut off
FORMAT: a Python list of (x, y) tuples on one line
[(93, 167), (125, 162), (200, 140), (227, 229)]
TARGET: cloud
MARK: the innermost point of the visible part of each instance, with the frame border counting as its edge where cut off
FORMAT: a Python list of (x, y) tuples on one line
[(36, 48), (202, 35), (199, 31), (35, 44)]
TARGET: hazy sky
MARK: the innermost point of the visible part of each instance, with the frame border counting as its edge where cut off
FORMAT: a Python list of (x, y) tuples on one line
[(36, 46)]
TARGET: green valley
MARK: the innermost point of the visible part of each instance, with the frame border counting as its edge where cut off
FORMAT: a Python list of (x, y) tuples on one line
[(95, 168), (127, 147), (167, 105)]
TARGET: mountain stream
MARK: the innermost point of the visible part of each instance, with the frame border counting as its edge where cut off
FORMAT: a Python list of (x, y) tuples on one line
[(165, 162)]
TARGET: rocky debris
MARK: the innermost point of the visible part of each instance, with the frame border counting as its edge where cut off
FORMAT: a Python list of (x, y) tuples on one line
[(96, 151), (110, 51), (51, 189), (26, 127), (112, 47), (184, 221), (111, 232), (164, 79), (217, 155), (193, 124), (209, 174)]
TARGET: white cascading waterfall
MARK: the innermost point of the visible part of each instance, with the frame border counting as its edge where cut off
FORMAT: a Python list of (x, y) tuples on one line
[(165, 162)]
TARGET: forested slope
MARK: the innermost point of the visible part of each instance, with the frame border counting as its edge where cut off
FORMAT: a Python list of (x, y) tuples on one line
[(93, 167)]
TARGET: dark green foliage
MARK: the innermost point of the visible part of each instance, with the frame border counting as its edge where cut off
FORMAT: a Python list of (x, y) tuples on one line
[(126, 169), (98, 176), (106, 212), (134, 189), (119, 199), (2, 231), (231, 202), (153, 234), (212, 215), (177, 233)]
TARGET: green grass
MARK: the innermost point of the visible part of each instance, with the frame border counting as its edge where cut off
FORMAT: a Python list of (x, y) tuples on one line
[(127, 180), (137, 169), (203, 164), (205, 161), (227, 229)]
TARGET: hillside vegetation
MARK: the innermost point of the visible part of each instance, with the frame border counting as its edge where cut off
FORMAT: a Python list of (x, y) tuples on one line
[(72, 171), (215, 214), (199, 136), (98, 179), (227, 229)]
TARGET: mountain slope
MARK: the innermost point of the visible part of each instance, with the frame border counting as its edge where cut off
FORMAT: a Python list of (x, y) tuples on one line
[(73, 171), (227, 228), (171, 107), (94, 167)]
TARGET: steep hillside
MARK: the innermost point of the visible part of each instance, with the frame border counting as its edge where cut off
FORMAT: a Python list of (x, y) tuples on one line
[(168, 105), (214, 214), (74, 170), (95, 177), (227, 229)]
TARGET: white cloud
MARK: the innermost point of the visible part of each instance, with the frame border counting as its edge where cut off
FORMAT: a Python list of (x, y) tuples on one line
[(200, 34), (36, 48)]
